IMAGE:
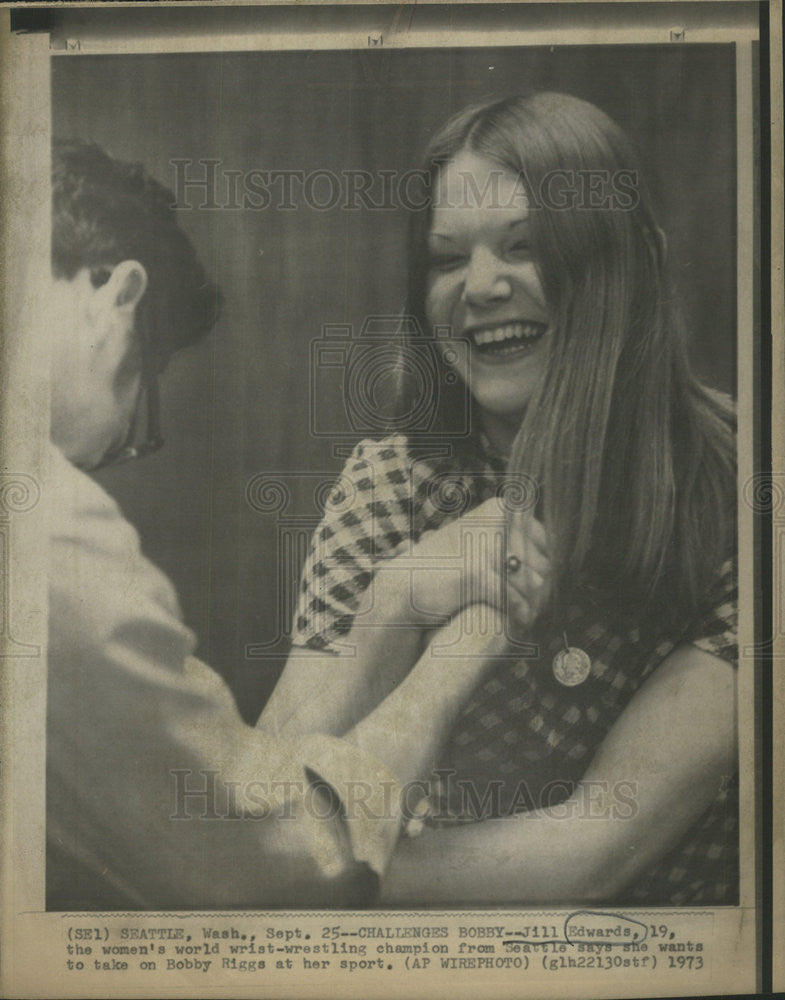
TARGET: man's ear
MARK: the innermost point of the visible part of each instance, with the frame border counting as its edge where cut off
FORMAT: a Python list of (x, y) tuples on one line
[(126, 285)]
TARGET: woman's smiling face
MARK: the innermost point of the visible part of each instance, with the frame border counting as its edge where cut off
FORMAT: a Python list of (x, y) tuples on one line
[(483, 283)]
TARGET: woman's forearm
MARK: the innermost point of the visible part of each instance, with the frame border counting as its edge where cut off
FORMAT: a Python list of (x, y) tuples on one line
[(658, 770), (537, 858)]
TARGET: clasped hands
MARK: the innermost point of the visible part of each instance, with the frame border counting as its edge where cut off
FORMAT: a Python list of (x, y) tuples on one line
[(482, 560)]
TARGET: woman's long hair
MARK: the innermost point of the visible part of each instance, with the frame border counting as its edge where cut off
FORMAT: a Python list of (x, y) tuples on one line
[(634, 458)]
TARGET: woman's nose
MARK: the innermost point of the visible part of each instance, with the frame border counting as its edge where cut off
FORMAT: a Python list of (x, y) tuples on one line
[(485, 281)]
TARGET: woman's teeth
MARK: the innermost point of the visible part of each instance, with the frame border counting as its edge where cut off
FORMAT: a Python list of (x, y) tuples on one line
[(509, 338)]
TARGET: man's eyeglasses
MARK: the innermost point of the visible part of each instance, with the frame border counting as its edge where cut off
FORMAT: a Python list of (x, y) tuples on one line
[(144, 437)]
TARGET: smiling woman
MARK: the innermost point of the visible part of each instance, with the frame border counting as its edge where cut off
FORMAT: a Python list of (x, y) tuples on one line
[(579, 541), (484, 285)]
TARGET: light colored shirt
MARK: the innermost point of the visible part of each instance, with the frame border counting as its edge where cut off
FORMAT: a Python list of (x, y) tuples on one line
[(158, 794)]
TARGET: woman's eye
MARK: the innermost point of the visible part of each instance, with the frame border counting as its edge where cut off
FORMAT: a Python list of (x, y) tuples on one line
[(444, 262), (521, 248)]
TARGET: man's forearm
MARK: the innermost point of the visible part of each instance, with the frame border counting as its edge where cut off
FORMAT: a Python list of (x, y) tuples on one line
[(407, 729), (329, 693)]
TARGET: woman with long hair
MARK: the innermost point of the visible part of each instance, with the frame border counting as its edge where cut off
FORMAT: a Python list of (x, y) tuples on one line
[(559, 541)]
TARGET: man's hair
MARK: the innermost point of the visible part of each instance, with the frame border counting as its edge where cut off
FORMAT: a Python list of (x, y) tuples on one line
[(105, 211)]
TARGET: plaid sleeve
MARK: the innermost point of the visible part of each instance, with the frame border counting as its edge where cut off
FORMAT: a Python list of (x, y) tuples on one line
[(367, 516), (717, 631)]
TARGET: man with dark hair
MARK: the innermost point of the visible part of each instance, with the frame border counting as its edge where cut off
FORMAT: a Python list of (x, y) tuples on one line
[(115, 237), (158, 795)]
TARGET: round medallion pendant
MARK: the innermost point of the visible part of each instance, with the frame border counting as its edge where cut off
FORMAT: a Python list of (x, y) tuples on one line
[(571, 666)]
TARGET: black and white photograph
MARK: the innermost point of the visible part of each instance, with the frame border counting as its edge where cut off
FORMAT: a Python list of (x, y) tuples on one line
[(397, 495)]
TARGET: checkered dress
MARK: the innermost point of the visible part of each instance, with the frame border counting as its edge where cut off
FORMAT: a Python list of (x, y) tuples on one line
[(523, 740)]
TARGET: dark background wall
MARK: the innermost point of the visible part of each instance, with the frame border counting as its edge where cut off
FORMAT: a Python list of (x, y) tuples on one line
[(238, 404)]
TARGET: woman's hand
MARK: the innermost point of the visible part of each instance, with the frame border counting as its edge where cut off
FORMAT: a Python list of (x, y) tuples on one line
[(528, 568), (475, 560)]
